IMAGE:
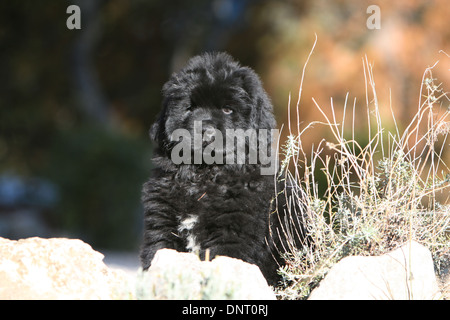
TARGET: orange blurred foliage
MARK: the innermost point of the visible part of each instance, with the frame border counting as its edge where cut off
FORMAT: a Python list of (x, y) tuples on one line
[(414, 35)]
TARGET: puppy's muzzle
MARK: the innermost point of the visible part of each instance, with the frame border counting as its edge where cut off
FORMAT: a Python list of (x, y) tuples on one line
[(208, 133)]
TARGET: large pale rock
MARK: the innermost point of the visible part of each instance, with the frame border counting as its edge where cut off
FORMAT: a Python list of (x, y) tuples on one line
[(37, 268), (176, 275), (405, 273)]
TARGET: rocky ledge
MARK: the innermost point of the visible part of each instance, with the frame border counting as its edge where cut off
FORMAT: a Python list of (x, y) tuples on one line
[(58, 268)]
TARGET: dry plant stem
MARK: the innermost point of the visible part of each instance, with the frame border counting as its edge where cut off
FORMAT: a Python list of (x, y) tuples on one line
[(378, 195)]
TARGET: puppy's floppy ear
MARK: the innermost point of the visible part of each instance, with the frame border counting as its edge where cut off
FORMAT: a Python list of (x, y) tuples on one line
[(157, 126), (263, 113), (153, 132)]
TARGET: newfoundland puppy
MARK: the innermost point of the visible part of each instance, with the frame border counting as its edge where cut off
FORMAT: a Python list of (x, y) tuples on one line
[(209, 192)]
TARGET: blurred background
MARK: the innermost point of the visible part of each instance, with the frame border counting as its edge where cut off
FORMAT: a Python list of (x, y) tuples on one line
[(76, 105)]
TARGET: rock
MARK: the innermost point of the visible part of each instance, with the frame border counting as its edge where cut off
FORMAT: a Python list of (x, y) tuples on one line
[(57, 268), (405, 273), (176, 275)]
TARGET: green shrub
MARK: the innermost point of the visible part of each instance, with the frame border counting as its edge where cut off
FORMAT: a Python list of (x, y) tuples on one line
[(100, 175)]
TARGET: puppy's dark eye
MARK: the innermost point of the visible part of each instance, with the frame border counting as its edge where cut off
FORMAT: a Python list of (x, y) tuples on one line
[(227, 110)]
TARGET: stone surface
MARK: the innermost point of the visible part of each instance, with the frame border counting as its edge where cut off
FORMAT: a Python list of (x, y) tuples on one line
[(405, 273), (57, 268), (176, 275)]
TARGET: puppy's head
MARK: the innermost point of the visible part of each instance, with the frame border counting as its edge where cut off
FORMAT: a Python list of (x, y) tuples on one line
[(217, 92)]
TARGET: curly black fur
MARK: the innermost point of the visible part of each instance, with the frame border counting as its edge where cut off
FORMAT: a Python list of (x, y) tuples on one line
[(223, 208)]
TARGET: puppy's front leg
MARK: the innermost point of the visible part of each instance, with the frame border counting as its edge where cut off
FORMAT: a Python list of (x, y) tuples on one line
[(160, 226)]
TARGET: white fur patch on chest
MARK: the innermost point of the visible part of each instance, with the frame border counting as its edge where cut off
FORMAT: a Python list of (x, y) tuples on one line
[(186, 226)]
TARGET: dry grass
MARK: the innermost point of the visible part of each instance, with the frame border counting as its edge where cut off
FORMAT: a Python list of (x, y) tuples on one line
[(379, 195)]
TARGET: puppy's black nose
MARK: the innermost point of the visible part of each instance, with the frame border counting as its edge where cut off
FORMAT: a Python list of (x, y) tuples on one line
[(208, 132)]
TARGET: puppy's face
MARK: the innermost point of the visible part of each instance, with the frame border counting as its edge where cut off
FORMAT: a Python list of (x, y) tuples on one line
[(207, 106), (212, 93)]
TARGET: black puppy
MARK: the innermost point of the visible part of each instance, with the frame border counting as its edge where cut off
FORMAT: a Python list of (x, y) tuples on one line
[(223, 207)]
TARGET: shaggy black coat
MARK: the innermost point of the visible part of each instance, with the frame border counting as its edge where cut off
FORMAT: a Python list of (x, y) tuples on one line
[(223, 208)]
